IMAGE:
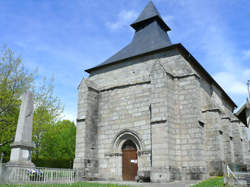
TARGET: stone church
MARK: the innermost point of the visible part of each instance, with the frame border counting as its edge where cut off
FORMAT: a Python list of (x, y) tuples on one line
[(151, 111)]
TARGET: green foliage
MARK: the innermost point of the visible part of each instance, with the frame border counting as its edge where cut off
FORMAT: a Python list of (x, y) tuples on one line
[(215, 181), (58, 145), (47, 111), (14, 80), (61, 139)]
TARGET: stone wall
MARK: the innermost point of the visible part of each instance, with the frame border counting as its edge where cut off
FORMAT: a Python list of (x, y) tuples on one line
[(125, 108), (181, 124), (126, 102), (228, 143), (86, 137), (80, 128), (190, 132), (232, 141), (214, 143), (245, 141), (161, 142), (237, 140)]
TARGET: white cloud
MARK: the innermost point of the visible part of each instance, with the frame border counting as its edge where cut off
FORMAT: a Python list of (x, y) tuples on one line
[(246, 54), (231, 83), (125, 18)]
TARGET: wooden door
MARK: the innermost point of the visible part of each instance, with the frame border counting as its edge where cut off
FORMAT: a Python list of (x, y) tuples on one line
[(129, 165)]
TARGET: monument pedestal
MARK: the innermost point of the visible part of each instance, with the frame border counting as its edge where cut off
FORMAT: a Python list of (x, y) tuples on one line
[(21, 154), (21, 149)]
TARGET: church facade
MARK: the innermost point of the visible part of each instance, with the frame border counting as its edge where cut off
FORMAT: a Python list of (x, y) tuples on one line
[(152, 111)]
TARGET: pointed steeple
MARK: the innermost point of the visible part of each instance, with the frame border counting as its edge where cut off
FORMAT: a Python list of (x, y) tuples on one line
[(149, 14), (150, 35)]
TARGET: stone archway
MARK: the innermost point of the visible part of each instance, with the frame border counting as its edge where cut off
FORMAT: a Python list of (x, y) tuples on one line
[(125, 135), (128, 143)]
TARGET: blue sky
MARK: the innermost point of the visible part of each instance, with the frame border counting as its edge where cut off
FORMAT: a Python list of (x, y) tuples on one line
[(62, 37)]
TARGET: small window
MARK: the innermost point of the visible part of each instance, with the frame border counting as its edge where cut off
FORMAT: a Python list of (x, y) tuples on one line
[(231, 138), (201, 124), (221, 132)]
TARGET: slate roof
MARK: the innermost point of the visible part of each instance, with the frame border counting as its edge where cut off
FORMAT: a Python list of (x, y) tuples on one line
[(241, 113), (150, 34), (150, 37), (149, 12)]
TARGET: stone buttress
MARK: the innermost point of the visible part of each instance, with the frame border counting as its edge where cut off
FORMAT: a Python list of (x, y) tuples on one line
[(238, 142), (228, 141), (161, 145), (86, 149)]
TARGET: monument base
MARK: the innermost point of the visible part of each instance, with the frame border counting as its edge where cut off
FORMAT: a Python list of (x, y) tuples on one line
[(21, 155), (22, 164)]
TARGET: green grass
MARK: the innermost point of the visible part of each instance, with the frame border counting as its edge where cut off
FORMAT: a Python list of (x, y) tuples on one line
[(82, 184), (211, 182)]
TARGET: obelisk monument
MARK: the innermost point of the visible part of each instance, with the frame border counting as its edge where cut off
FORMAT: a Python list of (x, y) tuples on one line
[(21, 149)]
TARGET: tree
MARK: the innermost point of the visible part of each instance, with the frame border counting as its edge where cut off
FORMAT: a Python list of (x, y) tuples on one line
[(48, 109), (14, 80), (54, 140), (59, 141), (58, 145)]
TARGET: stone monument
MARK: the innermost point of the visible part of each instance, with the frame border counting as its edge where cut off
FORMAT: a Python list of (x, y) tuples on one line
[(21, 149)]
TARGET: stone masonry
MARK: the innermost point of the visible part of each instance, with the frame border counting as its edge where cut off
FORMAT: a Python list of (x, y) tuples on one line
[(21, 149), (161, 99)]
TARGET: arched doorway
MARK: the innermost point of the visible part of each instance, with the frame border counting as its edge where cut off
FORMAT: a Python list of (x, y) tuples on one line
[(129, 161)]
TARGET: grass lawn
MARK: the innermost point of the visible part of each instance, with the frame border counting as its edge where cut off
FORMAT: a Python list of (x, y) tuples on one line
[(82, 184), (212, 182)]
